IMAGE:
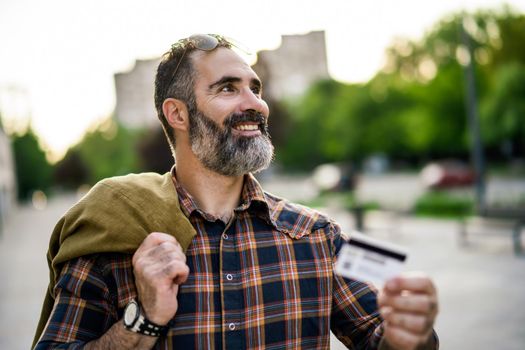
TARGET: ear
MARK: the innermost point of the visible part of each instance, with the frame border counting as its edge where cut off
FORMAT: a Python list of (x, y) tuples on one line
[(176, 113)]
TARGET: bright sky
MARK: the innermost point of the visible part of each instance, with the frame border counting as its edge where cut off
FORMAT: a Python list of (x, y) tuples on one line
[(58, 57)]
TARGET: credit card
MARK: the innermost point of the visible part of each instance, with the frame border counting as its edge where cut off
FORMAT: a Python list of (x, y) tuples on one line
[(368, 259)]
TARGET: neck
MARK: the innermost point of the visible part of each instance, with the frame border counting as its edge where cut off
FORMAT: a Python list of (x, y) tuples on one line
[(215, 194)]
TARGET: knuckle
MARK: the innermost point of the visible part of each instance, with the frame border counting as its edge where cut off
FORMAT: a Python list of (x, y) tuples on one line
[(165, 247), (156, 234), (160, 237), (168, 257), (153, 237), (171, 268)]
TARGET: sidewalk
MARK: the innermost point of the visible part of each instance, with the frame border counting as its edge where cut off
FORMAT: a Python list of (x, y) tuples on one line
[(23, 270), (481, 288)]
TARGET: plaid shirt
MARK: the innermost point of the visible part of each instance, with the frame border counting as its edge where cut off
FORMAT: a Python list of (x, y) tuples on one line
[(263, 281)]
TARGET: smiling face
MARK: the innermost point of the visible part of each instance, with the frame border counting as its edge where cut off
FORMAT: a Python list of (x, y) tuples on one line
[(228, 126)]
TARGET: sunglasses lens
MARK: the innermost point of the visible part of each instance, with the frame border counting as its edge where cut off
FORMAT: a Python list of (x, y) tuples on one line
[(204, 42)]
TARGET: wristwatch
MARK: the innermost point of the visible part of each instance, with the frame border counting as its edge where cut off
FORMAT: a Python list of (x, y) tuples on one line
[(135, 321)]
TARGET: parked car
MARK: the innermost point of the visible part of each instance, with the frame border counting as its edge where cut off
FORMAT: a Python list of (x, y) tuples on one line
[(447, 173)]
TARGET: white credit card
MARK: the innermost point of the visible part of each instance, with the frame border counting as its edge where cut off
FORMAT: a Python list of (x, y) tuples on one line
[(370, 260)]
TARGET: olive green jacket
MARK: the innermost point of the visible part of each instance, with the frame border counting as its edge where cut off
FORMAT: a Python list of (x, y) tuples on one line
[(114, 216)]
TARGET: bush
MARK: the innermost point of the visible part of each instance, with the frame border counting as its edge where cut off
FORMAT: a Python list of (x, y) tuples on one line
[(443, 205)]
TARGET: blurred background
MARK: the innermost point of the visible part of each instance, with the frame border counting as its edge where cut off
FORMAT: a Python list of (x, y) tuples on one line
[(405, 120)]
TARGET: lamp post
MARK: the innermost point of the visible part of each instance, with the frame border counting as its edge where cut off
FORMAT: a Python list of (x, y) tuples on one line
[(476, 148)]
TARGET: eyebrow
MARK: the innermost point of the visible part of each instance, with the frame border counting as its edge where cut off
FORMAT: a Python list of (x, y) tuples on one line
[(231, 79)]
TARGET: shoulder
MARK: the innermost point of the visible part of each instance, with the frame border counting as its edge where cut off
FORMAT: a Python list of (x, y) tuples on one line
[(133, 183), (296, 219), (147, 192)]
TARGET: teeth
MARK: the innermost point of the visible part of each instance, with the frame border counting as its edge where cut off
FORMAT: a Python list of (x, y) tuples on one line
[(247, 127)]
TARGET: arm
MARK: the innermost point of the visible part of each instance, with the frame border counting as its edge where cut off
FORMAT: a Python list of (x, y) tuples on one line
[(84, 305), (355, 318), (85, 312), (118, 337), (402, 318)]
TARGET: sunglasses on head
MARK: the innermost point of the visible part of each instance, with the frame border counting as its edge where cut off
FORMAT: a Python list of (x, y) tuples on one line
[(203, 42)]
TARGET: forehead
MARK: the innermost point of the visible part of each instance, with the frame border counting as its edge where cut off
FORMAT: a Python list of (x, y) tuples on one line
[(221, 62)]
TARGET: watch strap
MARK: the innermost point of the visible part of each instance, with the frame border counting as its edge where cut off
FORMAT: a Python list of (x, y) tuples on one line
[(144, 326)]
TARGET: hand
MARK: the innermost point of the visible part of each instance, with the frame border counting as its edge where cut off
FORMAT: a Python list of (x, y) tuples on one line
[(408, 304), (159, 266)]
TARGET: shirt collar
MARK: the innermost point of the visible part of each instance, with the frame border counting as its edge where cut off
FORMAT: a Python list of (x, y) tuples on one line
[(295, 220), (187, 203), (253, 199)]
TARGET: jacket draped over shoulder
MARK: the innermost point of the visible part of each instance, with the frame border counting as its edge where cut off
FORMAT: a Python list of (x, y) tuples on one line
[(115, 216)]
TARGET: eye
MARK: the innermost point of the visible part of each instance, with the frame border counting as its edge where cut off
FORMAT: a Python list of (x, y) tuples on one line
[(227, 88), (257, 90)]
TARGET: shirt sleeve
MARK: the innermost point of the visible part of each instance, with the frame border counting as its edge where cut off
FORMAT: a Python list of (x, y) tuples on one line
[(84, 307), (355, 316)]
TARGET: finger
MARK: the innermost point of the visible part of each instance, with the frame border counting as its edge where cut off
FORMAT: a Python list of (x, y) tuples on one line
[(154, 239), (169, 256), (413, 282), (400, 338), (414, 323), (165, 250), (417, 303), (177, 271)]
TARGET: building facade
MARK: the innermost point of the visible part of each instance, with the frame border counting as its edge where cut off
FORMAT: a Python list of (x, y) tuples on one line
[(291, 68), (135, 107), (7, 178)]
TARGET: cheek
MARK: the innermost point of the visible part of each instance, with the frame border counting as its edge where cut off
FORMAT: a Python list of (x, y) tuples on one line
[(217, 112)]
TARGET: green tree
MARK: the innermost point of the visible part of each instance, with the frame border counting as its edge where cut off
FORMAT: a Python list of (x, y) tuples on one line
[(109, 150), (154, 152), (33, 171), (414, 109), (503, 111), (71, 172), (303, 147)]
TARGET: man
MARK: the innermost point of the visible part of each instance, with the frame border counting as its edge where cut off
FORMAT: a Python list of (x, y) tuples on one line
[(259, 271)]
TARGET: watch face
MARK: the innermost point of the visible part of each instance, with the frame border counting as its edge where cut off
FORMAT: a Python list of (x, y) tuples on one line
[(131, 313)]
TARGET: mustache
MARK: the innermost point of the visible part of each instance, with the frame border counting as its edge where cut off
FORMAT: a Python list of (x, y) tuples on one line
[(248, 116)]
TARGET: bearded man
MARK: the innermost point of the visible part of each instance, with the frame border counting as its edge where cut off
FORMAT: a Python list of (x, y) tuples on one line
[(202, 257)]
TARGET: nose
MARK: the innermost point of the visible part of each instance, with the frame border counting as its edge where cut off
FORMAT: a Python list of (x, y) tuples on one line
[(254, 102)]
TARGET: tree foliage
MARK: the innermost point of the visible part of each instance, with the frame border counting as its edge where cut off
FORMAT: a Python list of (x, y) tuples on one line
[(154, 152), (414, 108), (33, 171), (109, 150)]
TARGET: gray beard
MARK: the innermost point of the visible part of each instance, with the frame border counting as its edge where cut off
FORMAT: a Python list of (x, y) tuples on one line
[(220, 151)]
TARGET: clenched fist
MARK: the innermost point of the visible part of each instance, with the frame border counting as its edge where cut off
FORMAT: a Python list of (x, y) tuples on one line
[(159, 266)]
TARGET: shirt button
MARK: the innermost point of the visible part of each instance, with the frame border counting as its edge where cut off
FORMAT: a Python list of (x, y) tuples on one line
[(224, 236), (231, 326), (229, 277)]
